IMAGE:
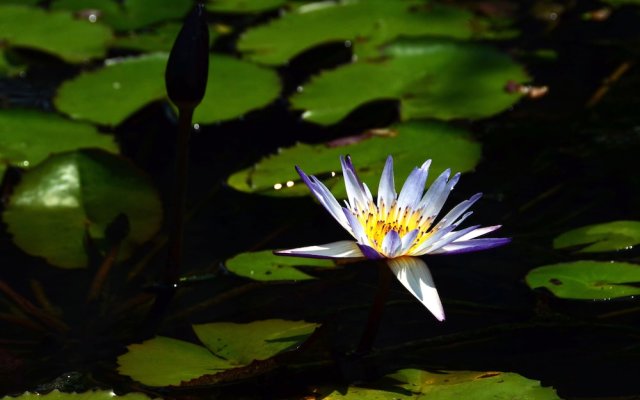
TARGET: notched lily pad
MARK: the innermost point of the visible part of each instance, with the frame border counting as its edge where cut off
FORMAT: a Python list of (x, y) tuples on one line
[(56, 33), (366, 24), (409, 143), (609, 236), (587, 280), (71, 195), (91, 395), (27, 137), (430, 78), (416, 384), (163, 361), (266, 266), (123, 86)]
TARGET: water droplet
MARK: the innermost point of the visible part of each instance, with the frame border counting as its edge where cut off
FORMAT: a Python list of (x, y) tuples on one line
[(25, 163), (277, 186), (196, 127), (92, 18), (347, 43), (299, 89), (290, 183), (116, 85)]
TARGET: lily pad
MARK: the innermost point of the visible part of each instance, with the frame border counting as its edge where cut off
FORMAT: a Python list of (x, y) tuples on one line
[(241, 344), (159, 39), (243, 6), (587, 280), (365, 24), (266, 266), (123, 86), (73, 194), (92, 395), (27, 137), (409, 143), (430, 78), (416, 384), (56, 33), (163, 361), (609, 236), (128, 14)]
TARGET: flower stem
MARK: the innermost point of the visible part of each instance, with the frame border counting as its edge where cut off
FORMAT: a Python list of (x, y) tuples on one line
[(375, 314)]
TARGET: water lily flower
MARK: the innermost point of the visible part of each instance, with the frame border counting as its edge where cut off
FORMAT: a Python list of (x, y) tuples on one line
[(398, 228)]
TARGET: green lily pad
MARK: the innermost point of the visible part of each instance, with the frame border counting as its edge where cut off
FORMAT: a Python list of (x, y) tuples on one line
[(163, 361), (56, 33), (243, 6), (366, 24), (266, 266), (587, 280), (159, 39), (410, 144), (241, 344), (20, 2), (27, 137), (609, 236), (430, 79), (71, 194), (122, 87), (91, 395), (129, 14), (416, 384)]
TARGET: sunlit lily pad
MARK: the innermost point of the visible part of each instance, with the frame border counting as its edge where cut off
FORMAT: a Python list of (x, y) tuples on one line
[(448, 385), (27, 137), (243, 6), (241, 344), (71, 194), (430, 79), (365, 24), (123, 86), (409, 143), (265, 266), (587, 280), (609, 236), (56, 33), (128, 14), (163, 361), (91, 395)]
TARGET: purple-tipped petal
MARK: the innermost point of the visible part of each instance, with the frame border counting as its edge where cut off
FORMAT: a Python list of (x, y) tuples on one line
[(355, 190), (468, 246), (391, 244), (356, 227), (452, 216), (341, 249), (434, 193), (479, 232), (413, 187), (408, 239), (386, 188), (369, 252), (451, 237), (414, 274), (424, 247), (324, 196)]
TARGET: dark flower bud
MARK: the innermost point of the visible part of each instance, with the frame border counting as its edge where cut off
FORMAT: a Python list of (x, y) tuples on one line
[(188, 65)]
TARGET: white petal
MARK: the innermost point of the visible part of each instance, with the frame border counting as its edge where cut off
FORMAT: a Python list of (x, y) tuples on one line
[(341, 249), (452, 216), (391, 244), (414, 274), (434, 201), (413, 187), (356, 227), (408, 239), (355, 191), (479, 232), (424, 247), (386, 188)]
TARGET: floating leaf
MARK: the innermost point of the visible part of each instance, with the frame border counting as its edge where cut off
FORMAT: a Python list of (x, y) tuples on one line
[(92, 395), (57, 33), (266, 266), (609, 236), (243, 6), (71, 194), (163, 361), (409, 143), (430, 79), (129, 14), (111, 94), (159, 39), (366, 24), (587, 280), (27, 137), (448, 385), (241, 344)]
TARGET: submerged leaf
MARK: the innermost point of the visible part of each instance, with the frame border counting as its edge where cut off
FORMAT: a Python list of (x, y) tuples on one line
[(71, 195), (410, 143), (430, 79), (587, 280), (56, 33), (266, 266), (608, 236)]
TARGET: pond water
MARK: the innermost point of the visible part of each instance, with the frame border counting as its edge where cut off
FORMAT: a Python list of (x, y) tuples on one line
[(534, 102)]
